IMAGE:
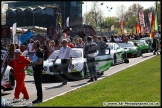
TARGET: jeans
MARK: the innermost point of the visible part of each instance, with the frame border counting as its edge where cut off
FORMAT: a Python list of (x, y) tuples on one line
[(64, 67), (91, 67), (38, 83)]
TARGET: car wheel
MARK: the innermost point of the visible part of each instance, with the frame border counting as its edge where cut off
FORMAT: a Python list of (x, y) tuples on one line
[(100, 74), (124, 56), (83, 73), (11, 81), (138, 54), (114, 60)]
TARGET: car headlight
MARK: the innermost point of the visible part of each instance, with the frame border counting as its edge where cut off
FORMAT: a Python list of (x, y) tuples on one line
[(71, 67), (45, 68), (76, 65)]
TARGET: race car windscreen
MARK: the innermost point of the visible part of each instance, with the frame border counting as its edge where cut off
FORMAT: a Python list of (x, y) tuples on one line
[(75, 54), (124, 45), (109, 46)]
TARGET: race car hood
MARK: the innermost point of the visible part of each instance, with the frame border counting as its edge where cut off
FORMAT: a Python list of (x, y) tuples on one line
[(58, 61)]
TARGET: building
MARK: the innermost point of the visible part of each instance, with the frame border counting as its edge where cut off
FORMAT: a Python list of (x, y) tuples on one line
[(37, 13)]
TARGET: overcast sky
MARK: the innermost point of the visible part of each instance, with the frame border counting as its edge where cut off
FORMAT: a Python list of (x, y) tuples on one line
[(114, 5)]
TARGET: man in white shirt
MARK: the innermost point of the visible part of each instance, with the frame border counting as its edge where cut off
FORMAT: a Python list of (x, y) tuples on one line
[(65, 54), (30, 49)]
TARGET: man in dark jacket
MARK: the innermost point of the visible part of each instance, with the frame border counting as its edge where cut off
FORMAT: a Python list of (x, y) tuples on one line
[(155, 46), (89, 50)]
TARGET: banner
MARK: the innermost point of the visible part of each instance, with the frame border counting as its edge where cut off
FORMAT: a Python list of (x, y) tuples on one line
[(23, 38), (5, 31), (153, 23), (121, 26), (141, 19), (14, 31), (112, 28), (41, 39), (150, 18)]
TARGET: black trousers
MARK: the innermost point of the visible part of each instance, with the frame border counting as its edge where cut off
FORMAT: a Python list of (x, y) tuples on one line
[(38, 83), (64, 68)]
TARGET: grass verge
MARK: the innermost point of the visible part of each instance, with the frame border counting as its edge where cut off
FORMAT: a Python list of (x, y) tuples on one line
[(140, 83)]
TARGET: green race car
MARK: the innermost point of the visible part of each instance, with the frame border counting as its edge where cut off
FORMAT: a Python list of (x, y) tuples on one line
[(144, 45), (130, 49)]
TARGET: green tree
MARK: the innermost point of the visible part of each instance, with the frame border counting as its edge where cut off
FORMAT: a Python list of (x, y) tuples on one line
[(96, 13), (86, 18), (131, 22), (132, 10)]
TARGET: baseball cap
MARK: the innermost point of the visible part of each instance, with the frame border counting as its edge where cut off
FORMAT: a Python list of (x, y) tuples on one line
[(17, 51)]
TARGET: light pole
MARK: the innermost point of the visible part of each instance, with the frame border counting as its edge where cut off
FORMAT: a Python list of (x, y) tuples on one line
[(109, 10), (100, 9), (100, 5)]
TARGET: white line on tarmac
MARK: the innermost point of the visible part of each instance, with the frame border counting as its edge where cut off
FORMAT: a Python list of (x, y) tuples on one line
[(98, 79)]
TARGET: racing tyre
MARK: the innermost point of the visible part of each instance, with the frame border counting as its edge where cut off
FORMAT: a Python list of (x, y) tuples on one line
[(138, 54), (11, 81), (84, 71), (124, 56), (114, 60)]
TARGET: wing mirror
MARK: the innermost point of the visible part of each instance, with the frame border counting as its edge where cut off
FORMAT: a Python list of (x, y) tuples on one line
[(118, 48)]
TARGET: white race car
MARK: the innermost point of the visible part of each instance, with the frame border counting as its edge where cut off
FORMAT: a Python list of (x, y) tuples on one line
[(7, 79), (117, 53), (79, 68)]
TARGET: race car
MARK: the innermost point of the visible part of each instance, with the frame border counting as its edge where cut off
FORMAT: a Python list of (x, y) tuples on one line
[(7, 72), (144, 46), (130, 49), (149, 41), (79, 68), (117, 53)]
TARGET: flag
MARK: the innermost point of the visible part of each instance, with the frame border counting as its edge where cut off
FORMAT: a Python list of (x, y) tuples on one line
[(137, 29), (121, 27), (153, 23), (14, 32), (156, 17)]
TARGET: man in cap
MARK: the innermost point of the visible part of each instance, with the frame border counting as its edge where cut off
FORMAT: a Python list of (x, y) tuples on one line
[(21, 63)]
